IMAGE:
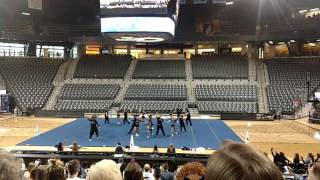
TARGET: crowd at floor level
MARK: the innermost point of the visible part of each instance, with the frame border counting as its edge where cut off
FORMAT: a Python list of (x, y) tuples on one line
[(232, 161)]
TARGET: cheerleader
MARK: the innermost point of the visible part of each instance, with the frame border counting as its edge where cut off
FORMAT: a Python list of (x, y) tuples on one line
[(173, 123)]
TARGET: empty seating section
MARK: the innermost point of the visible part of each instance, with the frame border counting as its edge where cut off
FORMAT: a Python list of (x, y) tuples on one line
[(2, 83), (89, 91), (29, 80), (219, 67), (153, 106), (97, 106), (288, 81), (205, 107), (238, 93), (102, 67), (160, 69), (158, 92)]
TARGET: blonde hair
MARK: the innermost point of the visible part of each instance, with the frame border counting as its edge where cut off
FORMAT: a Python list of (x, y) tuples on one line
[(104, 170), (241, 162)]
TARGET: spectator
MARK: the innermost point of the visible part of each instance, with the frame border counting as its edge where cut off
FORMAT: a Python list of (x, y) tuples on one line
[(284, 161), (276, 157), (119, 149), (133, 171), (147, 172), (39, 173), (191, 171), (240, 161), (314, 172), (10, 168), (318, 158), (73, 169), (165, 174), (75, 147), (59, 147), (104, 170), (309, 160), (157, 173), (84, 169), (31, 166), (171, 151), (55, 170)]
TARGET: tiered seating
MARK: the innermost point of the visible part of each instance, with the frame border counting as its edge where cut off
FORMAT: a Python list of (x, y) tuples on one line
[(219, 67), (100, 67), (238, 93), (153, 106), (158, 92), (160, 69), (288, 81), (29, 80), (84, 105), (2, 83), (89, 91), (233, 107)]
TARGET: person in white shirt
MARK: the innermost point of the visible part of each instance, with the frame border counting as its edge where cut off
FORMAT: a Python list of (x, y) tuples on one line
[(147, 172), (73, 169)]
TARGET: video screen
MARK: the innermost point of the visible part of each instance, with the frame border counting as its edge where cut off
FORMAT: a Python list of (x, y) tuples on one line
[(317, 95), (138, 24), (111, 4)]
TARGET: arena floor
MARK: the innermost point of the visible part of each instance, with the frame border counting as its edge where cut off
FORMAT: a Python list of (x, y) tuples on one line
[(285, 135)]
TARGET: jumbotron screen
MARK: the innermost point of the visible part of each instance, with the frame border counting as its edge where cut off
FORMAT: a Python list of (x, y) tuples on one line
[(111, 4)]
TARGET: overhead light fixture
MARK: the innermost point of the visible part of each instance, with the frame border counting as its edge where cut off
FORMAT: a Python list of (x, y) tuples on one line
[(229, 3), (270, 42), (303, 11), (318, 40), (292, 41), (315, 9), (311, 44), (26, 13)]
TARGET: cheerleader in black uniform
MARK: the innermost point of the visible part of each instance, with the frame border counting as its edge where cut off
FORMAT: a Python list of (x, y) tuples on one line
[(181, 122), (159, 125), (118, 116), (188, 118), (125, 117), (173, 123), (135, 125), (93, 127), (106, 117)]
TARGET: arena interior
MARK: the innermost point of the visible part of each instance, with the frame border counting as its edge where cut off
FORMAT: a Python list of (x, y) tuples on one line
[(87, 80)]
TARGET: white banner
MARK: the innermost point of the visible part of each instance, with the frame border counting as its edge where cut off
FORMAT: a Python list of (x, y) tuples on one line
[(35, 4)]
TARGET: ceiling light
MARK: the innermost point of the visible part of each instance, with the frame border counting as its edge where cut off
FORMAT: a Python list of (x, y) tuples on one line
[(229, 3), (303, 11), (318, 40), (270, 42), (292, 41), (26, 13), (315, 9)]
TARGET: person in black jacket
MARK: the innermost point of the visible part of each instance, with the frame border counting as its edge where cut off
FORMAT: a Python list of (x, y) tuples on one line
[(188, 118), (125, 117), (106, 117), (135, 125), (181, 122), (93, 127), (159, 125)]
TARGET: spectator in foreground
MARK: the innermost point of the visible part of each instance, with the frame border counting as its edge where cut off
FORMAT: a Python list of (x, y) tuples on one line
[(73, 169), (191, 171), (166, 174), (10, 167), (31, 166), (104, 170), (39, 173), (171, 151), (147, 172), (240, 161), (133, 171), (55, 170), (314, 172)]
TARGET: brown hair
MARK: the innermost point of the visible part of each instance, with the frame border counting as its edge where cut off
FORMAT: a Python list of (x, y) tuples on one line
[(39, 173), (195, 170), (73, 167), (133, 171), (241, 162), (314, 171), (55, 170)]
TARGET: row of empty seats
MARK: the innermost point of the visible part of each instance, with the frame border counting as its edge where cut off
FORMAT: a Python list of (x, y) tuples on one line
[(158, 92), (2, 83), (219, 67), (153, 106), (288, 79), (205, 107), (89, 91), (29, 80), (97, 106), (240, 93), (103, 67), (160, 69)]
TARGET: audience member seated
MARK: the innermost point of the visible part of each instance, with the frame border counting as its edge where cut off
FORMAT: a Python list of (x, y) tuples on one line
[(314, 171), (10, 168), (133, 171), (171, 151), (191, 171), (73, 169), (147, 172), (55, 170), (119, 149), (39, 173), (166, 174), (240, 161), (104, 170)]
